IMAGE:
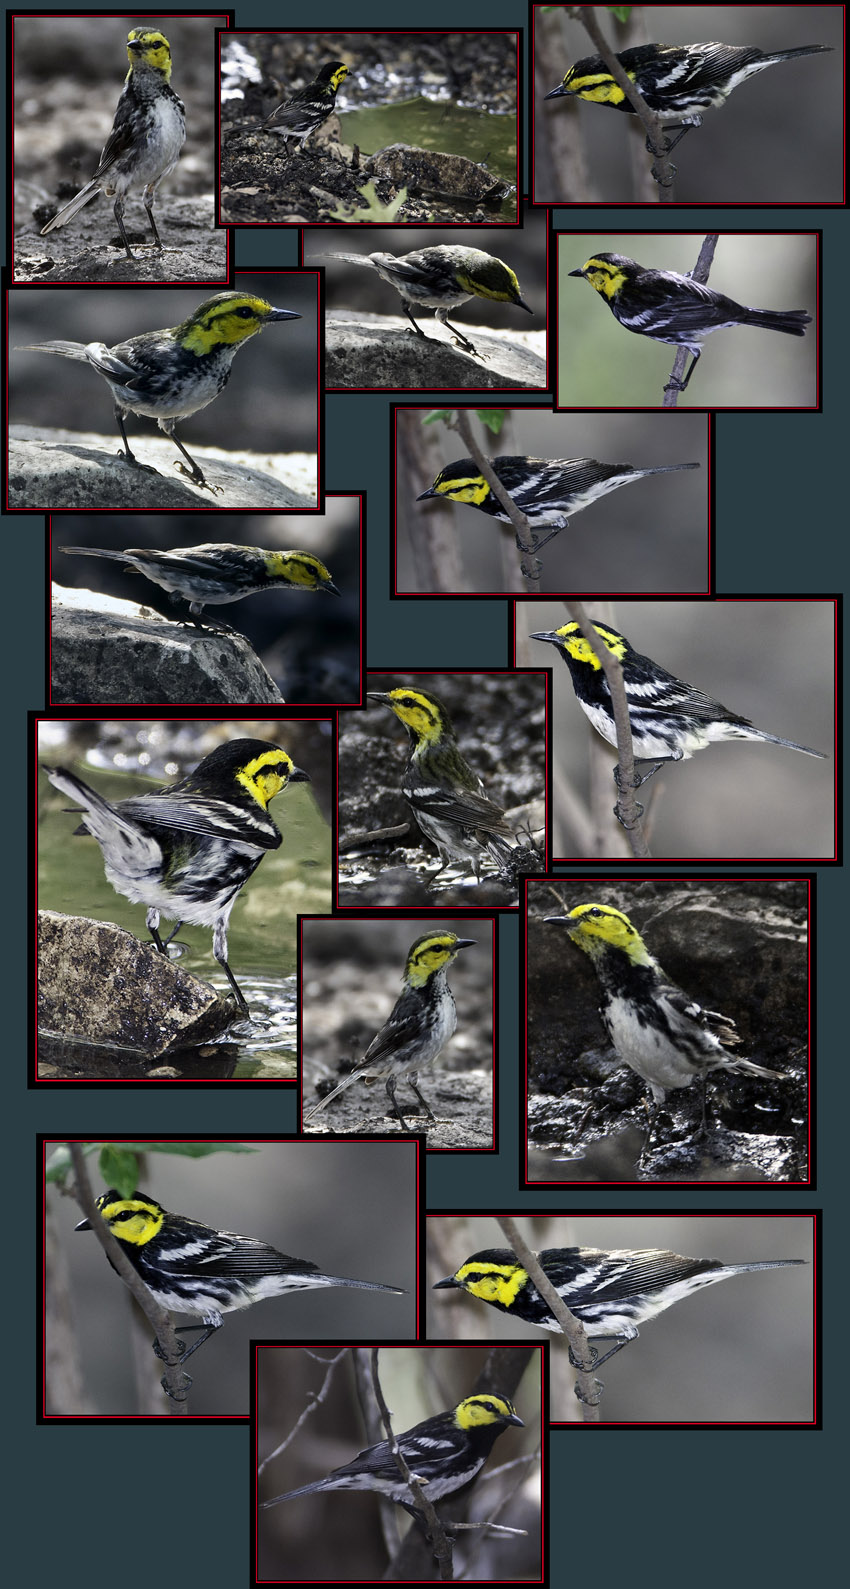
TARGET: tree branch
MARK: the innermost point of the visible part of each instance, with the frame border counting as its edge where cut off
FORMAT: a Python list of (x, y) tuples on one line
[(627, 806), (588, 1388), (699, 273), (663, 171), (316, 1399), (441, 1545), (531, 565), (174, 1379)]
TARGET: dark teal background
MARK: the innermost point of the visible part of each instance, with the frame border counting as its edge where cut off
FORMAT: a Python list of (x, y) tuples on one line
[(168, 1504)]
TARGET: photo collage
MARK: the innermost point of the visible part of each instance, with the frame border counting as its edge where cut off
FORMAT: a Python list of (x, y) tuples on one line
[(372, 728)]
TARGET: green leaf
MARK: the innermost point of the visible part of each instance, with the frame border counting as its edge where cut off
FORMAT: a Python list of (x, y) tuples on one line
[(622, 13), (442, 414), (120, 1169), (59, 1164), (493, 418)]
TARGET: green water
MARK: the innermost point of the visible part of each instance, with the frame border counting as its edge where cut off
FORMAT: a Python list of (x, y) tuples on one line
[(262, 932), (451, 129)]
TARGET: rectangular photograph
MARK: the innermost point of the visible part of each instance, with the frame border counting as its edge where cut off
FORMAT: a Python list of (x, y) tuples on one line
[(552, 467), (370, 128), (422, 309), (476, 1508), (170, 1215), (742, 1355), (155, 611), (252, 442), (774, 659), (669, 1030), (114, 149), (658, 297), (362, 1039), (160, 956), (407, 789)]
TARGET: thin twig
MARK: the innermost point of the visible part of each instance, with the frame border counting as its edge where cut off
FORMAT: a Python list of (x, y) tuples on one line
[(587, 1388), (161, 1322), (316, 1399), (700, 273), (627, 805), (440, 1544), (663, 171), (531, 565)]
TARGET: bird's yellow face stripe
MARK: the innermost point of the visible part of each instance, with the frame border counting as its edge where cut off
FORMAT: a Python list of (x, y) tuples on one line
[(473, 489), (300, 568), (580, 649), (479, 1411), (605, 277), (131, 1219), (427, 955), (148, 47), (494, 1282), (596, 86), (603, 923), (420, 714), (339, 76), (266, 775), (226, 323), (493, 279)]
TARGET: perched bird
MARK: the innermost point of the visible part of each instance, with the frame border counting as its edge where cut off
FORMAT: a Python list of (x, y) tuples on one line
[(547, 490), (446, 1452), (611, 1293), (670, 720), (192, 1268), (659, 1031), (446, 797), (147, 135), (668, 307), (677, 81), (421, 1023), (216, 573), (441, 278), (167, 375), (186, 850), (308, 109)]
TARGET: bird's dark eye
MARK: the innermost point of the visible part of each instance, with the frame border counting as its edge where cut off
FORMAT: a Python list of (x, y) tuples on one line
[(246, 313)]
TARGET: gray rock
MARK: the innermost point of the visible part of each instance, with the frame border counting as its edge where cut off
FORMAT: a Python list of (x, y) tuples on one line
[(99, 984), (103, 649), (61, 470), (369, 350), (89, 249)]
